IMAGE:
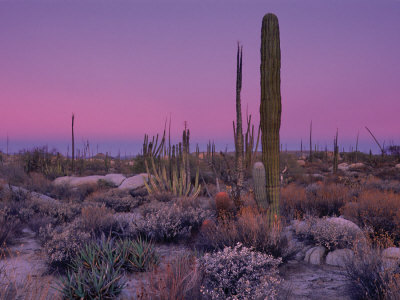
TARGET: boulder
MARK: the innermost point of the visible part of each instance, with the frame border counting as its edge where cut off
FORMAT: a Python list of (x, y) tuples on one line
[(115, 179), (356, 166), (349, 225), (391, 253), (343, 166), (315, 256), (391, 257), (133, 182), (301, 162), (65, 180), (339, 257), (77, 181)]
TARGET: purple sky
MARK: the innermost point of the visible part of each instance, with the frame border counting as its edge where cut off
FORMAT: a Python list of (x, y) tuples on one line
[(123, 66)]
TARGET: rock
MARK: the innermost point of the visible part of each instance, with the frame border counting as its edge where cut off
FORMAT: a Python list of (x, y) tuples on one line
[(77, 181), (134, 182), (301, 162), (391, 257), (397, 166), (356, 166), (115, 179), (343, 166), (315, 256), (318, 176), (349, 225), (339, 257), (391, 253), (65, 180)]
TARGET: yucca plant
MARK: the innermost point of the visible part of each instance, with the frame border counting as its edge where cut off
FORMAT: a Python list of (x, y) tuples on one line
[(95, 273), (102, 281), (139, 255)]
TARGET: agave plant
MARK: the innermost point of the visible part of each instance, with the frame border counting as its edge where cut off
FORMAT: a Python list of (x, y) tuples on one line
[(95, 273), (139, 255)]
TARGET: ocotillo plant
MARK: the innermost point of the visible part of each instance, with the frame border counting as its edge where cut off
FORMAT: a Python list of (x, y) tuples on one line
[(73, 143), (358, 133), (250, 151), (238, 133), (310, 158), (271, 108), (335, 153)]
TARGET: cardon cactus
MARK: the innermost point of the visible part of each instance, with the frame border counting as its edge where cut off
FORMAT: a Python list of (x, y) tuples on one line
[(224, 204), (271, 107), (260, 191)]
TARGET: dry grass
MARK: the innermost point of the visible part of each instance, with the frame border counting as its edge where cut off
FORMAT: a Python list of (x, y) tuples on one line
[(32, 289), (377, 210), (250, 228), (368, 275), (96, 219), (180, 280), (317, 200)]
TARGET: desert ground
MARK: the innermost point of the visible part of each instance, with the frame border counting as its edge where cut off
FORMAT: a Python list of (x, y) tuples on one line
[(101, 232)]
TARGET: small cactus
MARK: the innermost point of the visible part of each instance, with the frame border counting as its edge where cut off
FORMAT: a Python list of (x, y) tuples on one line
[(224, 204), (260, 191), (208, 225)]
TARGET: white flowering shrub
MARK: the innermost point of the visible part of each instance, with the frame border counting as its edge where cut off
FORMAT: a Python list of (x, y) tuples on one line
[(240, 273), (332, 233), (164, 221)]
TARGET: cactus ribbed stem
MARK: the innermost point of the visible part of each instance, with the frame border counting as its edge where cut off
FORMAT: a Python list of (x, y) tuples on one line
[(271, 107), (238, 133), (73, 143), (260, 192)]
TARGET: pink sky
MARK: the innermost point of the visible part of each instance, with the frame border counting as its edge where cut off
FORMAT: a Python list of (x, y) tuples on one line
[(123, 66)]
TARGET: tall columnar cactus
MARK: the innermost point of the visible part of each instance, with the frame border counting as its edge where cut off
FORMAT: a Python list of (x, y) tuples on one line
[(310, 157), (271, 107), (238, 131), (335, 153), (260, 192), (73, 143)]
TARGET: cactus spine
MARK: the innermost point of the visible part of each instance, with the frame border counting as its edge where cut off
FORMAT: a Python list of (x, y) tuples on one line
[(260, 192), (270, 108)]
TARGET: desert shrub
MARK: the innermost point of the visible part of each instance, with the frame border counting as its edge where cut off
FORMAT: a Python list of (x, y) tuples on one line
[(377, 210), (60, 212), (97, 220), (37, 182), (168, 221), (332, 233), (181, 279), (250, 228), (316, 200), (240, 273), (118, 200), (13, 173), (8, 226), (61, 244), (95, 272), (76, 194), (369, 278), (139, 165), (139, 255)]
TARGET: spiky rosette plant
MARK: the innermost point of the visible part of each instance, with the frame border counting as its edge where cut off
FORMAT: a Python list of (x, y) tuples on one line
[(270, 108)]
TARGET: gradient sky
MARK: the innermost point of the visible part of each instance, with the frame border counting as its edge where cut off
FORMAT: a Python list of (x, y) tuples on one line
[(123, 66)]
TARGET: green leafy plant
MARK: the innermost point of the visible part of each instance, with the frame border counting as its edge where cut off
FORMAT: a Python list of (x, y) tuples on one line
[(95, 272), (139, 255)]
